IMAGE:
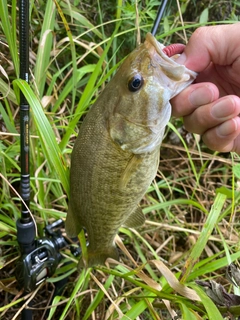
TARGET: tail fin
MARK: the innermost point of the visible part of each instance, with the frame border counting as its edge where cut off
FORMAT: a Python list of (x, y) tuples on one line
[(98, 257)]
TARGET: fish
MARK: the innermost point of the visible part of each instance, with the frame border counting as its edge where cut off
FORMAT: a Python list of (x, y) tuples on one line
[(116, 154)]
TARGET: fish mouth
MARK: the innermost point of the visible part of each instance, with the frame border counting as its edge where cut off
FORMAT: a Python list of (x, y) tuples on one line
[(165, 52)]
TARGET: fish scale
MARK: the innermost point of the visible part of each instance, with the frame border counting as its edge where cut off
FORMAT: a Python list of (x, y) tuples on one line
[(116, 154)]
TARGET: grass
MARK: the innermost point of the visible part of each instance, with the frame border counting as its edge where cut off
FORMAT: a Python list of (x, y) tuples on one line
[(192, 206)]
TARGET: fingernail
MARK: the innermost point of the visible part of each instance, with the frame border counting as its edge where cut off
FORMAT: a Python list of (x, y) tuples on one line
[(201, 96), (223, 109), (227, 128), (181, 59)]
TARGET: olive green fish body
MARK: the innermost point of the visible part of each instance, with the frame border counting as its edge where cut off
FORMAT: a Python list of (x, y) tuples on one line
[(102, 200), (116, 154)]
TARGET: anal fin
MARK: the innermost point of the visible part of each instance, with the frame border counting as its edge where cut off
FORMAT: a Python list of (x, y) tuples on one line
[(72, 226)]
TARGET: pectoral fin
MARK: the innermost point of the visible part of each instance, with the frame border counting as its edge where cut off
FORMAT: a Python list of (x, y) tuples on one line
[(129, 170), (136, 219)]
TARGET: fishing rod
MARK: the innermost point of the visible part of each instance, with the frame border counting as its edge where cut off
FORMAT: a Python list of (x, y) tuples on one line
[(159, 16), (40, 257)]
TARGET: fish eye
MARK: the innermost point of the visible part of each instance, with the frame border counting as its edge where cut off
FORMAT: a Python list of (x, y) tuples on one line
[(135, 83)]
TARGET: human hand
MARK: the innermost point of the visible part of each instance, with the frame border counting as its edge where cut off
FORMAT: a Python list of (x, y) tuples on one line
[(211, 106)]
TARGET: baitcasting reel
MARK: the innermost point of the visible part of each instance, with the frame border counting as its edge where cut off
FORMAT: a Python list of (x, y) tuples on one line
[(41, 262)]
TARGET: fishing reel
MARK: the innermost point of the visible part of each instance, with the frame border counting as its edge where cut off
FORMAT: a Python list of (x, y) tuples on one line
[(41, 261)]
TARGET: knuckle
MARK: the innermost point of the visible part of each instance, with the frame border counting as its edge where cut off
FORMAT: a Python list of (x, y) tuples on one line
[(190, 125), (200, 32), (196, 123)]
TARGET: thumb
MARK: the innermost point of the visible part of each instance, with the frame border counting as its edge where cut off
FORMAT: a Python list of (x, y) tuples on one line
[(215, 44)]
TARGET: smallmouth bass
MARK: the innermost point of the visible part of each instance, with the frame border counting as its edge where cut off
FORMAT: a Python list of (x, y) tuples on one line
[(116, 154)]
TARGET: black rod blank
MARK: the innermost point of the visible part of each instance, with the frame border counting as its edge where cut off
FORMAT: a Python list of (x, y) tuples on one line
[(159, 17), (24, 107), (25, 225)]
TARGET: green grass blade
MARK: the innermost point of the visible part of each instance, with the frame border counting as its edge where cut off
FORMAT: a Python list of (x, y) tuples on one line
[(6, 91), (55, 301), (45, 46), (48, 140), (212, 310), (98, 298), (87, 94), (73, 53), (205, 234), (166, 204), (79, 284), (8, 123), (187, 151), (136, 310), (10, 32), (208, 267), (83, 21), (187, 313), (69, 85)]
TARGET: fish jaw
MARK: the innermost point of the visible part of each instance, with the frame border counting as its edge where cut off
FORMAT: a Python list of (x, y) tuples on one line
[(176, 72)]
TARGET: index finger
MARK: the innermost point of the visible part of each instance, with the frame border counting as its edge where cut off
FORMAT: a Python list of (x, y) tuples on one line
[(192, 97)]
